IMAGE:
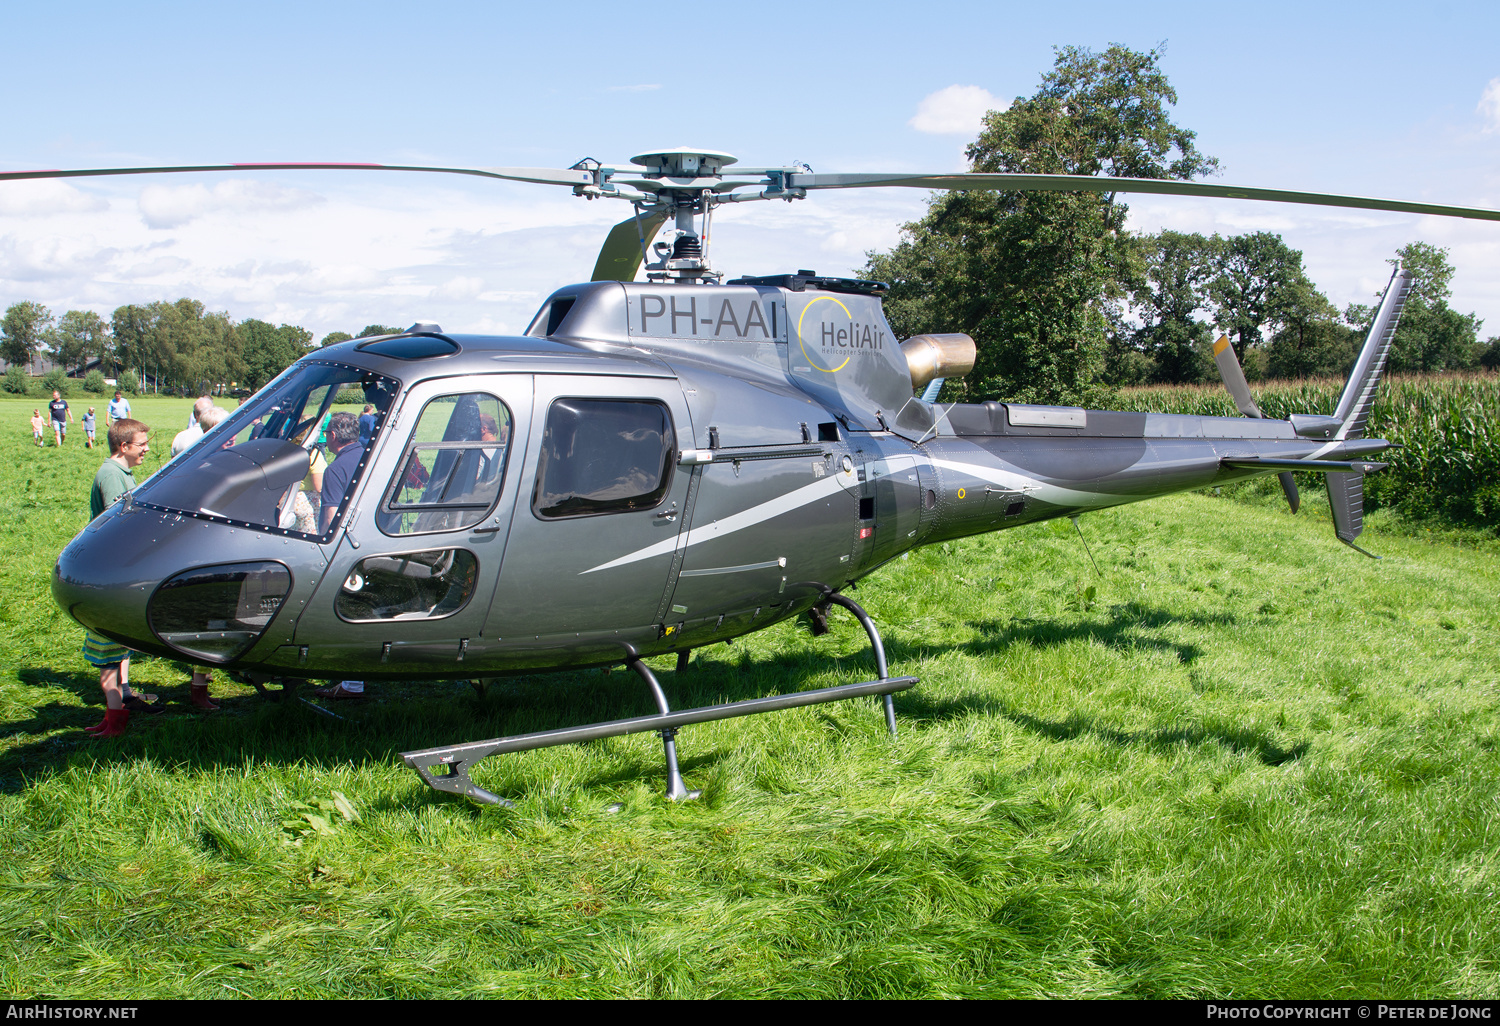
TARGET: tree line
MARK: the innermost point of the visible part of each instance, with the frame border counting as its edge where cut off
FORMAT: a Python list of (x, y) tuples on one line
[(180, 346), (1065, 303)]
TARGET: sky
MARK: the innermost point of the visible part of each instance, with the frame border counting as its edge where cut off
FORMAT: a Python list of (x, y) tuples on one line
[(1372, 99)]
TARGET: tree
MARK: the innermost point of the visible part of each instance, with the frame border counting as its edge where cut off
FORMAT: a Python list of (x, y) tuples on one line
[(1178, 269), (267, 351), (1310, 339), (1030, 275), (22, 330), (1431, 336), (1256, 279), (131, 326), (371, 330), (79, 335), (333, 338)]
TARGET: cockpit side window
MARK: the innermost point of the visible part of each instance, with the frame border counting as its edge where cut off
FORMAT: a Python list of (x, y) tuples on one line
[(454, 465), (603, 456)]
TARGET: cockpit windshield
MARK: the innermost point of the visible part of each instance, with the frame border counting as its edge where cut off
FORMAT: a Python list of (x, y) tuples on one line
[(288, 459)]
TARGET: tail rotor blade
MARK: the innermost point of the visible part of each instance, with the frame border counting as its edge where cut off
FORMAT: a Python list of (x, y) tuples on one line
[(1239, 389), (1234, 378), (1289, 489)]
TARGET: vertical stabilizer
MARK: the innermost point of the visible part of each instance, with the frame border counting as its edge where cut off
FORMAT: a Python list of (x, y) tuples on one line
[(1359, 394), (1346, 498), (1346, 492)]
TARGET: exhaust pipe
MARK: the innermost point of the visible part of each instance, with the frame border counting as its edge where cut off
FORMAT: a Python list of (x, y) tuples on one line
[(938, 356)]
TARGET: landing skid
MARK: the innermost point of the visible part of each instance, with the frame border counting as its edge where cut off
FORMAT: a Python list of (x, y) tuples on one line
[(447, 768)]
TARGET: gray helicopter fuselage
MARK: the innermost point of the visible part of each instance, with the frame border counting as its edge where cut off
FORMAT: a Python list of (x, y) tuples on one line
[(675, 466)]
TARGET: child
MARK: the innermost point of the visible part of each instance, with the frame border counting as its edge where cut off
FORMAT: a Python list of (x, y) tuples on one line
[(88, 429), (129, 441), (38, 425)]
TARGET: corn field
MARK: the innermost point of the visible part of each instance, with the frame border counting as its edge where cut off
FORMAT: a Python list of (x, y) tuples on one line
[(1448, 466)]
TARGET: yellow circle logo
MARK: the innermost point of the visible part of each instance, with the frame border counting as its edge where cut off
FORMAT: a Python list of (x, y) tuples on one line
[(801, 341), (961, 493)]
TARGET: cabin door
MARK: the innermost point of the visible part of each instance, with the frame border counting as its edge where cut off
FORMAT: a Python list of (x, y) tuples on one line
[(408, 585), (592, 552)]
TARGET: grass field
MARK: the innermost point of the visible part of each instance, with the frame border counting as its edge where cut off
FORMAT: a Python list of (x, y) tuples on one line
[(1244, 761)]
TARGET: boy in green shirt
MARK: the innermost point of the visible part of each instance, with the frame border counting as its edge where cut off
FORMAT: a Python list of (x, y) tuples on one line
[(129, 441)]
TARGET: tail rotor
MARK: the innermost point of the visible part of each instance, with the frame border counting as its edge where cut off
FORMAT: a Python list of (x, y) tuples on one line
[(1239, 390)]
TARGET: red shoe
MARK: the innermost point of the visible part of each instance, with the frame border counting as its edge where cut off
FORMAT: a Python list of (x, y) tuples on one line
[(115, 722), (98, 726), (198, 696)]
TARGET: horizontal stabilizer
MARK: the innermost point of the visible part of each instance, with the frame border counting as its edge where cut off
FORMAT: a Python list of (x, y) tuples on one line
[(1317, 466)]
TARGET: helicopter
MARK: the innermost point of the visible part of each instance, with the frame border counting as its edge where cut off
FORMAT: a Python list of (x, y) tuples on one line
[(651, 467)]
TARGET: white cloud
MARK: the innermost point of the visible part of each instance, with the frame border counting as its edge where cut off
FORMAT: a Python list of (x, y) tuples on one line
[(172, 206), (45, 197), (155, 268), (1489, 105), (462, 287), (955, 110)]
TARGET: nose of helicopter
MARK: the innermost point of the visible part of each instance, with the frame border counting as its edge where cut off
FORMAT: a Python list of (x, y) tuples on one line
[(105, 576), (158, 582)]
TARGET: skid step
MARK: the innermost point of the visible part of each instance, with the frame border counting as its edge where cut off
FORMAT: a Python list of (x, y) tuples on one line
[(447, 768)]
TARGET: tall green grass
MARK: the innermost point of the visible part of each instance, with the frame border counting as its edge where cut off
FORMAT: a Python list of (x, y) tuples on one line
[(1241, 762), (1448, 466)]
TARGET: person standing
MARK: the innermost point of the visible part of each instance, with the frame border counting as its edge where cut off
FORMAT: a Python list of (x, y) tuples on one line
[(60, 416), (119, 409), (38, 425), (88, 429), (367, 426), (129, 441), (343, 442), (194, 431)]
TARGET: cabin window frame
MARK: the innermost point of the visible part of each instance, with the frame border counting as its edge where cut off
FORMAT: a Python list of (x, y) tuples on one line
[(607, 507), (392, 510)]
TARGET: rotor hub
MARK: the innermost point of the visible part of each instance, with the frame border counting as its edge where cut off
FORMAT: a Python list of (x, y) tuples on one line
[(684, 162)]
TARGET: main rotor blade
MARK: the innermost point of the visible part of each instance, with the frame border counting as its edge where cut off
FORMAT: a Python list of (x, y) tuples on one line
[(538, 175), (620, 256), (1089, 183)]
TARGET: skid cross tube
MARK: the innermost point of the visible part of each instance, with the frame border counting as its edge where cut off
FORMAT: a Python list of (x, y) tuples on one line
[(447, 768)]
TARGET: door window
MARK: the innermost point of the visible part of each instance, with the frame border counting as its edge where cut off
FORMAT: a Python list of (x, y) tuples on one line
[(450, 475), (603, 456)]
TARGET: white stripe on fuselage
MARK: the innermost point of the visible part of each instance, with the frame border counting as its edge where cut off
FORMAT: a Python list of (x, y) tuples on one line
[(738, 522), (1014, 482)]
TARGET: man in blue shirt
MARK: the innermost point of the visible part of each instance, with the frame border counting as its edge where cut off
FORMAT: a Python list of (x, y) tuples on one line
[(119, 408), (343, 443), (367, 426)]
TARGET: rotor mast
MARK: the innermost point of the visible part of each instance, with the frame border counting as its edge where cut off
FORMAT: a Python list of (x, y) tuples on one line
[(683, 186)]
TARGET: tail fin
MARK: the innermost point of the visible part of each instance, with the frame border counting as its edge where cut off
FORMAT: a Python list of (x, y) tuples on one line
[(1346, 498), (1359, 394), (1346, 492)]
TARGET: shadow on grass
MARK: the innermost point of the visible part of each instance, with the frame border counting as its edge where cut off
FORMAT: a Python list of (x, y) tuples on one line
[(1123, 630), (1081, 725), (407, 716)]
